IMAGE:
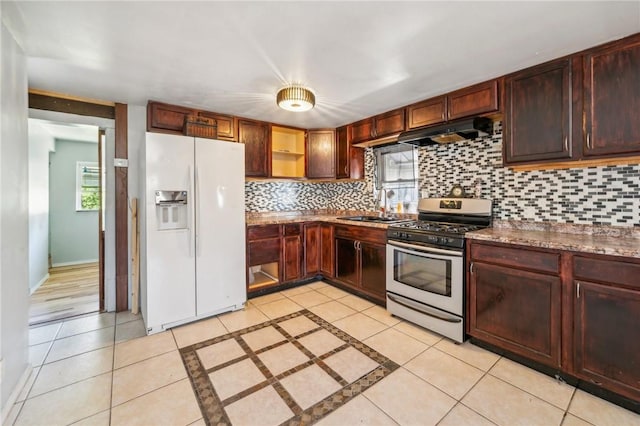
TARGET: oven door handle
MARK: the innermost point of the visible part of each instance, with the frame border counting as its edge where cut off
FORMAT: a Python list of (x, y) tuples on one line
[(424, 249), (431, 314)]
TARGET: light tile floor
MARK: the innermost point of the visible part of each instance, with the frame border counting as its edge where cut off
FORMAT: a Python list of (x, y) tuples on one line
[(101, 370)]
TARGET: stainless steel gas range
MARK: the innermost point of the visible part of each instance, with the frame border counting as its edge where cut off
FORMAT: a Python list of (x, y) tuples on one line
[(425, 263)]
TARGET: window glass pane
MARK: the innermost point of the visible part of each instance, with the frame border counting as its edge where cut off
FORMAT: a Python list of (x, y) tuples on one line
[(87, 186), (397, 175)]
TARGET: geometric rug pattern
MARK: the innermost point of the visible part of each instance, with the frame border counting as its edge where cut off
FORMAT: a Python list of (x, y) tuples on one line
[(299, 365)]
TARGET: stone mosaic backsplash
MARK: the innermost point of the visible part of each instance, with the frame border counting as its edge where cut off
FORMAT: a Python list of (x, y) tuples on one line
[(607, 195)]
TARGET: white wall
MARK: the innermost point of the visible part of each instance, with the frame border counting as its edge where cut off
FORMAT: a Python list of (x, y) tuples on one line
[(137, 126), (40, 144), (14, 221)]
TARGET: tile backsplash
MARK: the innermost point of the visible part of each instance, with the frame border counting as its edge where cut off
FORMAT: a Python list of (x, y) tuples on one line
[(593, 195)]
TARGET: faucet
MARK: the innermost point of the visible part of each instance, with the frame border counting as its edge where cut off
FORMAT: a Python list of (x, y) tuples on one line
[(378, 205)]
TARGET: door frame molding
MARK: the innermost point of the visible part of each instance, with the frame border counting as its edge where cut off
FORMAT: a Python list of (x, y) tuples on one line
[(50, 101)]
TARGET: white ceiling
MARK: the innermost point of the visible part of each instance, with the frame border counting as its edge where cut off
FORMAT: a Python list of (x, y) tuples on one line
[(66, 131), (360, 57)]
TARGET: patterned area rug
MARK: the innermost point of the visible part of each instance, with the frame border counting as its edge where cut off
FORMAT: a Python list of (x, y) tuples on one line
[(312, 367)]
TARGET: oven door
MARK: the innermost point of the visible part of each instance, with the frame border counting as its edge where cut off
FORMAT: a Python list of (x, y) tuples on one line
[(432, 276)]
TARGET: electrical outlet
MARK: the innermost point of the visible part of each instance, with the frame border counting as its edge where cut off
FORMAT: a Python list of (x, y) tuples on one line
[(369, 187), (424, 193)]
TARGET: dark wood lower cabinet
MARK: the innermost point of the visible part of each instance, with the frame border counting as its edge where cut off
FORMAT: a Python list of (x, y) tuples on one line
[(291, 253), (517, 310), (347, 261), (360, 255), (326, 250), (373, 263), (312, 249), (578, 313), (607, 337)]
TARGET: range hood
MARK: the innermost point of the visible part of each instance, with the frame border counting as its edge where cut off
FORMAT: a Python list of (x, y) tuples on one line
[(453, 131)]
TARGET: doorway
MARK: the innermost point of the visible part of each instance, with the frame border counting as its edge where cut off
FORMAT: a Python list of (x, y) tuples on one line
[(65, 220)]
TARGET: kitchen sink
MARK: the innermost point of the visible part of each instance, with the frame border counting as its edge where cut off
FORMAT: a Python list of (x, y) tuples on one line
[(375, 219)]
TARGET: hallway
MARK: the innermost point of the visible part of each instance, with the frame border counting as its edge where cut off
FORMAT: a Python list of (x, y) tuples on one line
[(69, 291)]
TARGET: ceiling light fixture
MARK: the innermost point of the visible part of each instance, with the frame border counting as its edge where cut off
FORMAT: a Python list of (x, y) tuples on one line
[(295, 98)]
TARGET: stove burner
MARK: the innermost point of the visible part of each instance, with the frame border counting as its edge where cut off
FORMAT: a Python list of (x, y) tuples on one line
[(450, 228)]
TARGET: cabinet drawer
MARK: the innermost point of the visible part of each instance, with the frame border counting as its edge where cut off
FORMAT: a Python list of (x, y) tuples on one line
[(291, 229), (263, 251), (517, 257), (607, 271), (263, 231), (362, 233)]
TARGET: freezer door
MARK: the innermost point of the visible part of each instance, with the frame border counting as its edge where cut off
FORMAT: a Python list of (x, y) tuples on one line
[(220, 225), (170, 269)]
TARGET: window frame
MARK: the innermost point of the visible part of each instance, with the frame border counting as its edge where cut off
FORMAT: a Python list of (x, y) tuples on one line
[(379, 174), (80, 173)]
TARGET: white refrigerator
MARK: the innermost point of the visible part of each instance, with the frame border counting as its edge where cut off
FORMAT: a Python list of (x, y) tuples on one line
[(192, 260)]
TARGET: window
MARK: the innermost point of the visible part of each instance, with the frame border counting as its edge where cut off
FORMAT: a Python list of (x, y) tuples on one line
[(87, 186), (397, 173)]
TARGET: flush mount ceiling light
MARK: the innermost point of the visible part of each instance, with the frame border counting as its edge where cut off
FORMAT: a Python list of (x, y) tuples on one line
[(295, 98)]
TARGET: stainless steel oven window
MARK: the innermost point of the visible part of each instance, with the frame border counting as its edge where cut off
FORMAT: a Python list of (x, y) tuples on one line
[(423, 272)]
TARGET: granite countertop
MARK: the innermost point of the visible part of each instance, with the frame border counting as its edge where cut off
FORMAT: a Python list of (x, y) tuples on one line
[(273, 218), (611, 240)]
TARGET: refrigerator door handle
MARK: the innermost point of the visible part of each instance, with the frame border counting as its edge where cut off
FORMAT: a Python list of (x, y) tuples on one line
[(190, 239), (197, 214)]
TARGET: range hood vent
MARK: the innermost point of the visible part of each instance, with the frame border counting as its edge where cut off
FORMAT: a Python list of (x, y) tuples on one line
[(453, 131)]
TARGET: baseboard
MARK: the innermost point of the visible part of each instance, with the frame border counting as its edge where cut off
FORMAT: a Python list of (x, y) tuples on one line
[(37, 286), (13, 397), (75, 262)]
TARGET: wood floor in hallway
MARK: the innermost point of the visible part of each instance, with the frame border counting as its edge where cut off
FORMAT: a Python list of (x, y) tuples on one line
[(69, 291)]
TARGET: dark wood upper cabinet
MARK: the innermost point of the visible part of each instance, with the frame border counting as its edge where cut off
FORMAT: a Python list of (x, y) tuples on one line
[(342, 152), (362, 130), (255, 136), (165, 118), (474, 100), (538, 108), (612, 99), (426, 113), (225, 123), (389, 123), (321, 162)]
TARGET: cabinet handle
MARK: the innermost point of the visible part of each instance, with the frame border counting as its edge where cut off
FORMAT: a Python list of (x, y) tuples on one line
[(471, 268), (589, 140), (578, 291), (346, 169), (566, 143)]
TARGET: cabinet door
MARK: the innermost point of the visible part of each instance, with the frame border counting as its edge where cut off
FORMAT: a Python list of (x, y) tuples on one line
[(312, 249), (389, 123), (342, 152), (606, 344), (225, 123), (326, 250), (537, 123), (165, 118), (479, 99), (612, 99), (516, 310), (425, 113), (291, 258), (372, 278), (362, 131), (346, 256), (255, 136), (320, 154)]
